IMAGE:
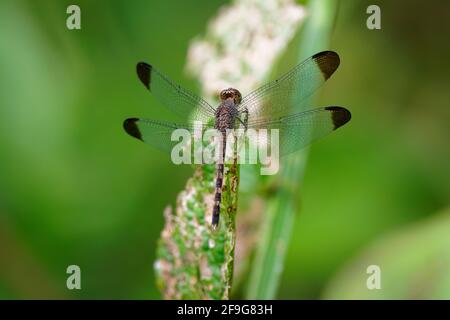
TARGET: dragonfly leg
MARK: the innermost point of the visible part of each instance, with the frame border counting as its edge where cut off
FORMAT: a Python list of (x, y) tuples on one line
[(244, 118)]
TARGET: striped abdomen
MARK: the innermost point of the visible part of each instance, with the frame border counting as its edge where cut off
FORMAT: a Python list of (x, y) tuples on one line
[(225, 118), (219, 183)]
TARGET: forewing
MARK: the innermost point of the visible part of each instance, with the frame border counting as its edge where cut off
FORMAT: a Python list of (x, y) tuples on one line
[(287, 94), (299, 130), (174, 97)]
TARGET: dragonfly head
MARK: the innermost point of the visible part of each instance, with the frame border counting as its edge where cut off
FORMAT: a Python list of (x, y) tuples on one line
[(231, 93)]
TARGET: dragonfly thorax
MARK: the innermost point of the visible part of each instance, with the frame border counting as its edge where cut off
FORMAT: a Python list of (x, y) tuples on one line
[(226, 115), (231, 93)]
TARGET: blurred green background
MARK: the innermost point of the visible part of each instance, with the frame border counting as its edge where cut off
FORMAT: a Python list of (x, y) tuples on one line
[(75, 189)]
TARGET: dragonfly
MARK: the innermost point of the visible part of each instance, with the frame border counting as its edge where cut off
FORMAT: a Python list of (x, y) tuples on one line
[(275, 105)]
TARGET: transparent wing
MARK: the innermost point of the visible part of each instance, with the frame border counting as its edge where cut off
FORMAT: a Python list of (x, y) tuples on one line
[(285, 95), (299, 130), (174, 97), (161, 135)]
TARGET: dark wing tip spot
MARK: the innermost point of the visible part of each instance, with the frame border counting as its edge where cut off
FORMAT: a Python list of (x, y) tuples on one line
[(327, 62), (131, 128), (339, 116), (144, 71), (325, 53)]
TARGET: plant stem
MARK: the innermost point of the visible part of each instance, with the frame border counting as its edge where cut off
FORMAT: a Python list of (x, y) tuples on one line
[(195, 262)]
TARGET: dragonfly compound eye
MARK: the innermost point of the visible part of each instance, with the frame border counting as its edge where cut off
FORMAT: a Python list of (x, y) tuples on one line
[(231, 93)]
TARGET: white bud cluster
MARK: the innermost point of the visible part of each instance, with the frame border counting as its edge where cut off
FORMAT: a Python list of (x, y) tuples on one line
[(241, 44)]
